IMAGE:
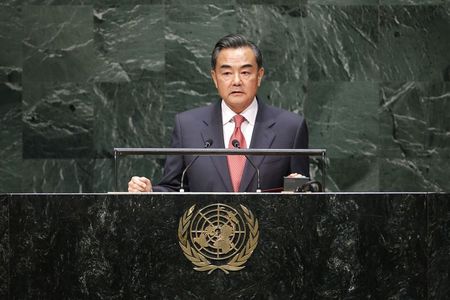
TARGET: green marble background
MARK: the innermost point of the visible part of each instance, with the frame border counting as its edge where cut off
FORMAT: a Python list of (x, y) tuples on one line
[(77, 78)]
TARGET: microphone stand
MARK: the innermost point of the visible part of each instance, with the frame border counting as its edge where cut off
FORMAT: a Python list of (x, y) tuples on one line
[(208, 143), (237, 145)]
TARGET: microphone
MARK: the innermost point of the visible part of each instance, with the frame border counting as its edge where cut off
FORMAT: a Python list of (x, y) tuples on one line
[(208, 143), (237, 145)]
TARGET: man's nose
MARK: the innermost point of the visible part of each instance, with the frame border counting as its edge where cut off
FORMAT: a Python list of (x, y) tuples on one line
[(237, 79)]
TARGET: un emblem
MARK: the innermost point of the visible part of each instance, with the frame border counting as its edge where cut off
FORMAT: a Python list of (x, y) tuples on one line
[(218, 237)]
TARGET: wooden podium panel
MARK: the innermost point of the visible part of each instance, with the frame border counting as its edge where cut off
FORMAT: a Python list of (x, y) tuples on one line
[(303, 246)]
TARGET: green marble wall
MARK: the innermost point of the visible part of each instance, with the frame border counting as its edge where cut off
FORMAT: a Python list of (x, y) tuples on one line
[(78, 78)]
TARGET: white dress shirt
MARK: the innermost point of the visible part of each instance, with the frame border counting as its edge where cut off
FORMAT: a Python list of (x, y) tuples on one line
[(246, 127)]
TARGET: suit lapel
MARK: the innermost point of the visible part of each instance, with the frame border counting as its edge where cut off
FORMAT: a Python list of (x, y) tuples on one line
[(262, 138), (214, 130)]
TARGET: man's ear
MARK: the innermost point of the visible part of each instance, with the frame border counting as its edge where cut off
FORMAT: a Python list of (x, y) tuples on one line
[(260, 75), (213, 76)]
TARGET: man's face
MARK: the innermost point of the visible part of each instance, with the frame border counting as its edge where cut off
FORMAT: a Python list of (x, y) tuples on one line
[(237, 77)]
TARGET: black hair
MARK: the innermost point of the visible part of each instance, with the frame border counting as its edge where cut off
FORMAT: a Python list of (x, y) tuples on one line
[(235, 41)]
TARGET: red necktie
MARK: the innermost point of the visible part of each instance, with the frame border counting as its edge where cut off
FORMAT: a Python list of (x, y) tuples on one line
[(236, 162)]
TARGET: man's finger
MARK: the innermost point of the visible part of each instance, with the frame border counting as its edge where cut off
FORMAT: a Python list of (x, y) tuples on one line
[(145, 180), (137, 181)]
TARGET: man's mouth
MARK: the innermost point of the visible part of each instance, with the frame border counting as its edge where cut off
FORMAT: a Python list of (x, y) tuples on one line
[(236, 92)]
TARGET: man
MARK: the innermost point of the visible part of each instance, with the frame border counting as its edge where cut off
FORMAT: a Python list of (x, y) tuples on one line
[(238, 120)]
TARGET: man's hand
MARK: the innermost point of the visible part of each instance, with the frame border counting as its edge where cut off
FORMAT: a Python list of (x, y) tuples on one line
[(139, 184)]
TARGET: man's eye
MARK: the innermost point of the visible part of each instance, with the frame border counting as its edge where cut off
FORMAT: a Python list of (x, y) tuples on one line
[(226, 73), (245, 73)]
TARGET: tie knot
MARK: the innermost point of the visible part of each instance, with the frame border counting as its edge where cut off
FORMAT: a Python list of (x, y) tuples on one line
[(238, 119)]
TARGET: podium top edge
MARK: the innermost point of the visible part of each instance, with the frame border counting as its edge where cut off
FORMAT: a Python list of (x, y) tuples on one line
[(218, 151), (224, 193)]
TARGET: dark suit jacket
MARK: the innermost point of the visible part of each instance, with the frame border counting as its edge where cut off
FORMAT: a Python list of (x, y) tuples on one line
[(274, 128)]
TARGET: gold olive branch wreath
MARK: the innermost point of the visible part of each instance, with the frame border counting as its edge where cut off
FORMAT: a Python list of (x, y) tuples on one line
[(201, 262)]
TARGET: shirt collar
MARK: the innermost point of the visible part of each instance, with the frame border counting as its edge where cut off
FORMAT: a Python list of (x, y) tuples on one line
[(249, 113)]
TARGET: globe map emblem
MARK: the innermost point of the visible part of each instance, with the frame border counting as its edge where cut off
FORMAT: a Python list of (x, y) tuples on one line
[(217, 231)]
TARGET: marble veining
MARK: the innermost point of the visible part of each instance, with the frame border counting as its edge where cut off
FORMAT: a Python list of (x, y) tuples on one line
[(58, 121), (343, 43), (411, 122), (134, 48), (11, 136), (79, 77), (415, 42)]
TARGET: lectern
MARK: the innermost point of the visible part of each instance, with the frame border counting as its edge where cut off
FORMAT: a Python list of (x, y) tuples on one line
[(225, 246)]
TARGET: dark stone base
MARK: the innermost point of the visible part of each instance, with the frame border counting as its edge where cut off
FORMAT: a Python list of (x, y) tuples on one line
[(311, 246)]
